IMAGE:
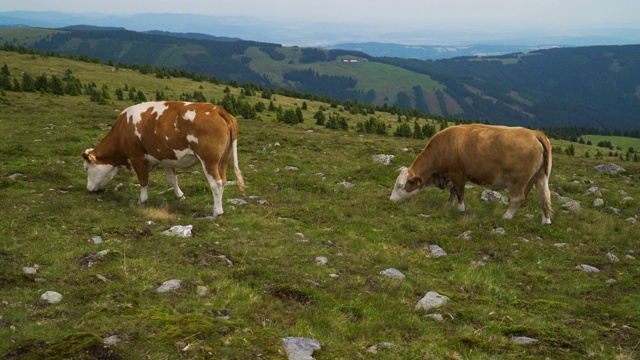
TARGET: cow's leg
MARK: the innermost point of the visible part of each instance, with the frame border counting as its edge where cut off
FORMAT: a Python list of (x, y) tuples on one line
[(544, 195), (452, 196), (217, 186), (141, 167), (173, 180), (517, 197), (458, 188)]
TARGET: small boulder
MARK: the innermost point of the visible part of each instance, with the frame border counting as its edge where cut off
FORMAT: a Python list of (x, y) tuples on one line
[(609, 168), (392, 273), (168, 285), (51, 297), (431, 300), (299, 348)]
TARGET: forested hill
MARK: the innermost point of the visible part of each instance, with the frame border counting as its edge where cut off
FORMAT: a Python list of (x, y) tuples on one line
[(591, 87)]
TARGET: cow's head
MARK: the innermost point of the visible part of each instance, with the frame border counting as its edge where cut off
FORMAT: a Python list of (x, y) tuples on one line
[(98, 175), (407, 185)]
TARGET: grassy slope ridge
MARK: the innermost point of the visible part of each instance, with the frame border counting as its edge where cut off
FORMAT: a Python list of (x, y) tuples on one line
[(527, 285), (589, 87)]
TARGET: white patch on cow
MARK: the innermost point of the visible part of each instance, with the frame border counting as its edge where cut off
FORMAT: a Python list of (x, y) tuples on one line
[(399, 192), (207, 113), (134, 113), (191, 138), (99, 175), (166, 138), (190, 115)]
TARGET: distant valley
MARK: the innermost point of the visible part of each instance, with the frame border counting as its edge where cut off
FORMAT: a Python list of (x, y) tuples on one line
[(596, 86)]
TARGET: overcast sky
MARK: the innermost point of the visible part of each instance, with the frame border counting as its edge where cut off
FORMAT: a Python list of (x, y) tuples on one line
[(446, 14)]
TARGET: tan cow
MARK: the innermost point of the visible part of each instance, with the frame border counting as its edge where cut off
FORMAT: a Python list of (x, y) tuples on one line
[(172, 134), (498, 157)]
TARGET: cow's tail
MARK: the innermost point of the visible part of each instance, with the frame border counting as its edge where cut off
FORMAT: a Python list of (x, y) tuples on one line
[(233, 138), (544, 170)]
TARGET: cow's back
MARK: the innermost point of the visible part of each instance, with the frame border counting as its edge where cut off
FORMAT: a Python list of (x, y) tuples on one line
[(484, 153), (161, 129)]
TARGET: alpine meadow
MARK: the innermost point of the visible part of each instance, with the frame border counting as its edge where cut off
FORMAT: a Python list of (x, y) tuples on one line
[(308, 251)]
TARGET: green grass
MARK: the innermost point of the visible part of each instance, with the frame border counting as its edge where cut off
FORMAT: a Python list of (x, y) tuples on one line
[(274, 288)]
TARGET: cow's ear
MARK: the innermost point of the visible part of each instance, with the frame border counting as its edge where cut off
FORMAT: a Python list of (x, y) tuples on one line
[(90, 158), (416, 180)]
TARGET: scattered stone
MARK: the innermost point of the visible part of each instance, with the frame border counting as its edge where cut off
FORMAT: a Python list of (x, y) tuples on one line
[(375, 348), (384, 159), (609, 168), (523, 340), (424, 216), (392, 273), (96, 240), (567, 203), (111, 340), (611, 258), (202, 290), (630, 257), (431, 300), (598, 202), (611, 281), (299, 234), (612, 210), (523, 239), (465, 235), (15, 176), (334, 276), (560, 245), (437, 251), (101, 254), (627, 198), (346, 184), (51, 297), (321, 260), (587, 268), (291, 168), (102, 278), (499, 231), (118, 187), (493, 196), (594, 191), (632, 220), (179, 231), (436, 317), (622, 192), (168, 285), (237, 201), (299, 348), (29, 270)]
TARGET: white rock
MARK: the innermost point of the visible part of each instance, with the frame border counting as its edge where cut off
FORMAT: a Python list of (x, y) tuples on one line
[(111, 340), (168, 285), (598, 202), (465, 235), (29, 270), (611, 258), (237, 201), (392, 273), (321, 260), (437, 251), (291, 168), (382, 158), (499, 231), (431, 300), (96, 239), (436, 317), (51, 297), (299, 348), (587, 268), (346, 184), (179, 230), (523, 340)]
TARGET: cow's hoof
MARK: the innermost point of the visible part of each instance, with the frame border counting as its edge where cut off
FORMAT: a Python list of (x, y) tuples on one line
[(181, 198)]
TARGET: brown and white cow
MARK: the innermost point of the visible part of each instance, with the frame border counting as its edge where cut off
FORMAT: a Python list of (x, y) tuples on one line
[(172, 134), (498, 157)]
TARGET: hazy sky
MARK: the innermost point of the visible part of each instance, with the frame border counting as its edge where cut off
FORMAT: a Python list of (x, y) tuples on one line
[(446, 14)]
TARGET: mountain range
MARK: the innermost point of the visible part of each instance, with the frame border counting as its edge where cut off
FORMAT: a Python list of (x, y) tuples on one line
[(595, 86)]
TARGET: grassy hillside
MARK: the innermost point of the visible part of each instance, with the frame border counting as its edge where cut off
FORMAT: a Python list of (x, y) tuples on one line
[(256, 266), (592, 87)]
